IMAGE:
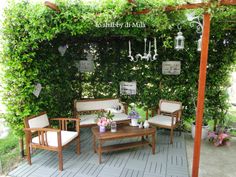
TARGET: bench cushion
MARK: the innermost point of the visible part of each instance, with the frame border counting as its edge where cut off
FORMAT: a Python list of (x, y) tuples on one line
[(90, 118), (90, 105), (66, 137)]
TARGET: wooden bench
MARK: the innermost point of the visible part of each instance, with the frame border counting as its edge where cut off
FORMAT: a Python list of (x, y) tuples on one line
[(87, 110)]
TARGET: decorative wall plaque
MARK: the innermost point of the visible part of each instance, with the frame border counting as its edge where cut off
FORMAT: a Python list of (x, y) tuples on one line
[(62, 49), (86, 66), (171, 67), (128, 88), (37, 90)]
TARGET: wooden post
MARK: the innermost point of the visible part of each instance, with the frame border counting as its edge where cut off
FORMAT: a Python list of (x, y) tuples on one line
[(201, 94), (21, 144)]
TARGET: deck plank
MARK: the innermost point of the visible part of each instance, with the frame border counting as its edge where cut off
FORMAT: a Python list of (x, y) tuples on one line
[(169, 160)]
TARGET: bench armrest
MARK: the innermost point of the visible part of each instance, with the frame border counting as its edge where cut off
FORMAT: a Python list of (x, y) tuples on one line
[(126, 105)]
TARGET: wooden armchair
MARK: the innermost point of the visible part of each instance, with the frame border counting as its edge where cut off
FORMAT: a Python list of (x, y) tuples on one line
[(168, 116), (39, 135)]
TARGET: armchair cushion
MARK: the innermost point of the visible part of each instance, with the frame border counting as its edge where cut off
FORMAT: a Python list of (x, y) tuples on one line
[(162, 120), (166, 106), (39, 121), (66, 137)]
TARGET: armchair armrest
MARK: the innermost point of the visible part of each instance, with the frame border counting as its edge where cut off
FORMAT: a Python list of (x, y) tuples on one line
[(62, 118), (41, 129), (154, 110), (42, 136), (63, 122)]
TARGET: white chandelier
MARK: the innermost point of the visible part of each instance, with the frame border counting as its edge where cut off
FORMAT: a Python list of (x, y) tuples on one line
[(146, 56)]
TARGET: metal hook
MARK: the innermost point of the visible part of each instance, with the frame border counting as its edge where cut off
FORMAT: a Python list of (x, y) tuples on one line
[(179, 27)]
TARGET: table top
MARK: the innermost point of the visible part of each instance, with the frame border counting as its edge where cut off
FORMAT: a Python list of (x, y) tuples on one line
[(122, 132)]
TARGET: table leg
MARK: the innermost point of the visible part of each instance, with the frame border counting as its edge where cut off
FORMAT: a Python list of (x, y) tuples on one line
[(94, 143), (100, 151), (143, 138), (153, 143)]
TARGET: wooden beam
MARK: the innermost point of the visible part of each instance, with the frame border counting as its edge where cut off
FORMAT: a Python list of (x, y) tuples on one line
[(201, 94), (199, 5), (144, 11), (186, 6), (52, 6), (228, 2)]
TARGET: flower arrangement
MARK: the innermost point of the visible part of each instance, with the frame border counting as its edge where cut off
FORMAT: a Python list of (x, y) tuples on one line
[(133, 113), (134, 116), (104, 119), (219, 137)]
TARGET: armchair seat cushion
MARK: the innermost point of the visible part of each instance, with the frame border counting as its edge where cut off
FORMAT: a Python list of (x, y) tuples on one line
[(66, 137), (162, 120), (90, 118)]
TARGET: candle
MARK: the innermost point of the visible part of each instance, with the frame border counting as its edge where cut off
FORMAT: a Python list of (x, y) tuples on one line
[(155, 43), (145, 40), (149, 47), (129, 46)]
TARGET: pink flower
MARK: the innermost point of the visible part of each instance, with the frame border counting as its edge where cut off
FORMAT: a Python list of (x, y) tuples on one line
[(99, 122), (222, 136), (103, 121)]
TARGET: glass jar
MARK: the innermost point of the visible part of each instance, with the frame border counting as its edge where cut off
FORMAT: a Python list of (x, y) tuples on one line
[(113, 126)]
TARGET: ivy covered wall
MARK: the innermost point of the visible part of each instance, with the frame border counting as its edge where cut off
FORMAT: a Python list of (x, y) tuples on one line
[(32, 34)]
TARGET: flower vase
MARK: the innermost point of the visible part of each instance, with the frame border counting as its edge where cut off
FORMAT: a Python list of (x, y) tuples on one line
[(102, 129), (134, 122), (146, 124)]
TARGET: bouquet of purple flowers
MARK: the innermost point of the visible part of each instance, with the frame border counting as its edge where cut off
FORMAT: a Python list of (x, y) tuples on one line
[(133, 114)]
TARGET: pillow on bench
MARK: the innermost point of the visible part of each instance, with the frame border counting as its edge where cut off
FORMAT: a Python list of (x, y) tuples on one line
[(86, 110)]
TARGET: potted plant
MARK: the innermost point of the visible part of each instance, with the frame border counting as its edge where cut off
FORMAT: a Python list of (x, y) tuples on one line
[(134, 115), (104, 120), (219, 137), (205, 127)]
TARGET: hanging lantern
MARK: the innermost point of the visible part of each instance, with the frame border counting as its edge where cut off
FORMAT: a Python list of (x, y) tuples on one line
[(179, 41), (199, 44)]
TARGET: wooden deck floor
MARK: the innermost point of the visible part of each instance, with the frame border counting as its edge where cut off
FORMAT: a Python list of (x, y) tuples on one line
[(169, 161)]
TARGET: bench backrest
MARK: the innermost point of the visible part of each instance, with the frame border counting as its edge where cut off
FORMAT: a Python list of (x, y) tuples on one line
[(97, 104)]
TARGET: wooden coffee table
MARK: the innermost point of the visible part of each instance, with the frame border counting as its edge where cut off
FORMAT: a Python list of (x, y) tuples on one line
[(122, 132)]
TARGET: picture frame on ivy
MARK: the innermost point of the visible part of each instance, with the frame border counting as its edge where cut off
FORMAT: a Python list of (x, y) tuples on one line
[(128, 88), (171, 67)]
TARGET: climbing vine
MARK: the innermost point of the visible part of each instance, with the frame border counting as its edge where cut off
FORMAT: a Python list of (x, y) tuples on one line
[(32, 34)]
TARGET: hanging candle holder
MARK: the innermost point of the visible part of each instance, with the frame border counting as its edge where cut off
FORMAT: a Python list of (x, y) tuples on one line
[(196, 20), (146, 55), (131, 58), (179, 40)]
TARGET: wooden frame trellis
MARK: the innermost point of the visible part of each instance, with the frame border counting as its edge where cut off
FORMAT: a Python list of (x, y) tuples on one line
[(203, 64)]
